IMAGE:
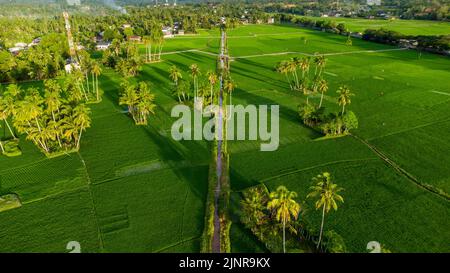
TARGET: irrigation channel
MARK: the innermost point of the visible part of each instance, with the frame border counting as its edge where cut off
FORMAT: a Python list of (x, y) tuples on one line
[(220, 170)]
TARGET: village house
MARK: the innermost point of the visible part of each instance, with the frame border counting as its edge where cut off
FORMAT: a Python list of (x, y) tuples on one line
[(271, 20), (135, 38), (167, 32), (102, 45)]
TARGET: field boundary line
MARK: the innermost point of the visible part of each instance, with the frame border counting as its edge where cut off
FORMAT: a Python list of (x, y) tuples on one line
[(177, 243), (53, 195), (409, 129), (317, 166), (400, 170), (89, 182), (323, 54), (24, 166)]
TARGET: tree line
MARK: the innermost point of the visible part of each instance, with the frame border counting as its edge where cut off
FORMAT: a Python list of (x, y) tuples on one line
[(54, 119)]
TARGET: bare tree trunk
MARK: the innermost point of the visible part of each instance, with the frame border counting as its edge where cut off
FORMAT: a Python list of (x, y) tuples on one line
[(321, 99), (284, 235), (321, 227), (10, 129)]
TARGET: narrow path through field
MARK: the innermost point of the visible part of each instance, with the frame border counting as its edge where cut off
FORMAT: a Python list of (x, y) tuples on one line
[(396, 167), (216, 235)]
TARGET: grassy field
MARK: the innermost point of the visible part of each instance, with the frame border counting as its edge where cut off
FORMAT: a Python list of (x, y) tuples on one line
[(408, 27), (135, 189)]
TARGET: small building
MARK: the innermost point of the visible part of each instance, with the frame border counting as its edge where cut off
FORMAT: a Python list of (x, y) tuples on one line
[(167, 32), (180, 32), (135, 38), (102, 45), (124, 26), (271, 20), (70, 66), (15, 50), (21, 45)]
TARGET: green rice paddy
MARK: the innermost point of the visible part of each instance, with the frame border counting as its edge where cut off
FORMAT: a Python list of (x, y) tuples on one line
[(134, 189)]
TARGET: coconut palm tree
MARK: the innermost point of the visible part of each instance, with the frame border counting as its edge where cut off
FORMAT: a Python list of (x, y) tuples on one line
[(5, 113), (254, 207), (229, 88), (322, 88), (320, 63), (195, 73), (81, 119), (304, 65), (344, 97), (96, 71), (292, 66), (283, 68), (146, 105), (129, 97), (175, 74), (212, 79), (284, 207), (328, 196)]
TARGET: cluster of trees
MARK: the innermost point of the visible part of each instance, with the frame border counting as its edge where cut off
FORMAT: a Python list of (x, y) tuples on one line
[(267, 214), (139, 101), (328, 25), (54, 120), (42, 61), (198, 86), (123, 57), (155, 40), (298, 74), (439, 43)]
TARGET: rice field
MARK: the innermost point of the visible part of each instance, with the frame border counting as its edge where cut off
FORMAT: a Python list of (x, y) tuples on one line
[(135, 189)]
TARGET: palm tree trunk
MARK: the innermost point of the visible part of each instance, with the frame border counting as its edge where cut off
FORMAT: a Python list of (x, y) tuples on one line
[(37, 123), (96, 86), (284, 235), (343, 109), (10, 129), (1, 147), (79, 137), (321, 99), (212, 87), (321, 227), (87, 82)]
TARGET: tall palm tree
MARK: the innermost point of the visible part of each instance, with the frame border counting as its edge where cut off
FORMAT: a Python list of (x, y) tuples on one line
[(320, 63), (283, 68), (96, 71), (195, 73), (5, 113), (254, 206), (304, 65), (344, 97), (175, 74), (292, 66), (328, 196), (229, 88), (81, 119), (323, 88), (284, 207), (212, 79)]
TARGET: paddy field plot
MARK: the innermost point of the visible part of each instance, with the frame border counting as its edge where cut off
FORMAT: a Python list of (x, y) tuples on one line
[(135, 189)]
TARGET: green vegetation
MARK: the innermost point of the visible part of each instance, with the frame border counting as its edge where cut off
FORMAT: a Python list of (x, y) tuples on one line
[(132, 188)]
